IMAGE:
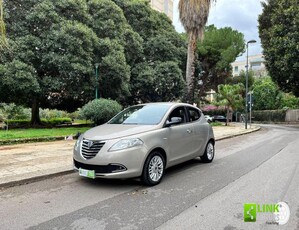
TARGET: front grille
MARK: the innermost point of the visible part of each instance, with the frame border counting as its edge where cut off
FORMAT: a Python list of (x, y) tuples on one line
[(101, 168), (91, 148)]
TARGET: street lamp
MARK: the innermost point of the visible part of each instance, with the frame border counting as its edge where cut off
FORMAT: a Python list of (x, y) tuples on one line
[(97, 79), (246, 101)]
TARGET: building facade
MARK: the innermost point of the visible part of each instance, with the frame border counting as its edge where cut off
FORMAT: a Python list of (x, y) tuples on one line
[(255, 63), (164, 6)]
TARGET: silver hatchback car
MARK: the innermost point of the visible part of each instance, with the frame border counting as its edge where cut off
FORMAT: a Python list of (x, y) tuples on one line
[(143, 140)]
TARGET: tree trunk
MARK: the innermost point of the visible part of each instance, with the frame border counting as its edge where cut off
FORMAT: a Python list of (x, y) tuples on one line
[(190, 68), (35, 119), (227, 115)]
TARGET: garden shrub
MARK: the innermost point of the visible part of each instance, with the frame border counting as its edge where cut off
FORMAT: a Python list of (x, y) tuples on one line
[(52, 113), (18, 123), (100, 110)]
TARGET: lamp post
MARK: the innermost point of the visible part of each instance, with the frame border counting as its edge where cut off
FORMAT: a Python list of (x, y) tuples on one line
[(97, 79), (250, 107), (246, 101)]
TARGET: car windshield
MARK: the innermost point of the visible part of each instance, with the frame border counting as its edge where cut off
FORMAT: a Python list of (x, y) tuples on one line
[(141, 115)]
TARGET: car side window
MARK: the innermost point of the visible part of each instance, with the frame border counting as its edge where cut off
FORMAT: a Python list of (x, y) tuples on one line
[(178, 112), (194, 114)]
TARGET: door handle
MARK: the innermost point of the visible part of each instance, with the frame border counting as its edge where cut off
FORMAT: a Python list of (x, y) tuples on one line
[(189, 131)]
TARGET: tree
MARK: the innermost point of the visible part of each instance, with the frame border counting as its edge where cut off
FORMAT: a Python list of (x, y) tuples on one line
[(162, 82), (278, 29), (230, 96), (3, 42), (168, 82), (56, 44), (215, 55), (193, 15), (266, 94), (241, 78), (162, 46)]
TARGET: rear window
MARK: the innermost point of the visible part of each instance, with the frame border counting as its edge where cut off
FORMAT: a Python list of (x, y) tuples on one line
[(194, 114)]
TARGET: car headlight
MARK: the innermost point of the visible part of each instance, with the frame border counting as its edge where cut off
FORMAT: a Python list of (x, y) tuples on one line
[(78, 143), (125, 144)]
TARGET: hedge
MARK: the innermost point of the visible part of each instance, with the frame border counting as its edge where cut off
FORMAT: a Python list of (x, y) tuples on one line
[(269, 115), (51, 122)]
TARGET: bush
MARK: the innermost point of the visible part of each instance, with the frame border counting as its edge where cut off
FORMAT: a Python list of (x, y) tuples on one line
[(14, 112), (52, 113), (100, 110)]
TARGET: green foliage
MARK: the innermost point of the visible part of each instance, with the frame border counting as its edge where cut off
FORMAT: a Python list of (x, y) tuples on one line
[(101, 110), (269, 115), (168, 82), (18, 80), (55, 45), (266, 94), (216, 123), (164, 82), (52, 113), (215, 55), (39, 134), (13, 111), (51, 54), (289, 101), (58, 121), (242, 79), (161, 44), (230, 96), (19, 123), (3, 41), (278, 29)]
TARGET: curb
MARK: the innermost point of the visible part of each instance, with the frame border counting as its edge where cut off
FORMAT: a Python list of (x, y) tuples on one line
[(239, 134), (35, 179), (69, 171), (32, 140)]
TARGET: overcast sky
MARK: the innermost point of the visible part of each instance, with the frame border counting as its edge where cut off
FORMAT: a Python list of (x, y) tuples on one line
[(241, 15)]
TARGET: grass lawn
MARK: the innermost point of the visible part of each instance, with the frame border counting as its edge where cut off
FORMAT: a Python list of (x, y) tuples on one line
[(217, 123), (33, 133)]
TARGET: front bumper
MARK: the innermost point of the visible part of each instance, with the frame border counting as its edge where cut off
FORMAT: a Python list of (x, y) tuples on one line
[(127, 163)]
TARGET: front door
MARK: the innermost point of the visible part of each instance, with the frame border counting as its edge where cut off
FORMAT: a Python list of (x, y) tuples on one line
[(180, 137)]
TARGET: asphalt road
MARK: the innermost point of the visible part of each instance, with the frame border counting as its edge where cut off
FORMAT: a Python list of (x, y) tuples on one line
[(256, 168)]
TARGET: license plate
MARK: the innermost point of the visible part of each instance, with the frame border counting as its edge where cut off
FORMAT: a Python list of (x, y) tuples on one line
[(87, 173)]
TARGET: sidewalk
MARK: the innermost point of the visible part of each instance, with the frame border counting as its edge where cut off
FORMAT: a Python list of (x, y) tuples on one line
[(24, 163)]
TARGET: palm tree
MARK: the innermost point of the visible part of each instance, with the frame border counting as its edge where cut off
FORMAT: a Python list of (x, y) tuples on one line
[(3, 42), (230, 96), (193, 15)]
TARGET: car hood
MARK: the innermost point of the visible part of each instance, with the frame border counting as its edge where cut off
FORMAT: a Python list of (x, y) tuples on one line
[(112, 131)]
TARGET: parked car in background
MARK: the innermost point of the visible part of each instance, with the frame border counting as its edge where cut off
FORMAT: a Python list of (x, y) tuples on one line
[(208, 118), (143, 140), (219, 118)]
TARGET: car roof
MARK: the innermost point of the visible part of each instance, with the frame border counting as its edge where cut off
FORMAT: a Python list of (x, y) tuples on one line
[(171, 104)]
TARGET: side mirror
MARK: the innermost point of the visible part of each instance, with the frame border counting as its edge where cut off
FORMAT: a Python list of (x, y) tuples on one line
[(173, 121)]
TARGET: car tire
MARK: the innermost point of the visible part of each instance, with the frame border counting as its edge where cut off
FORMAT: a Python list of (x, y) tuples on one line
[(209, 154), (153, 169)]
